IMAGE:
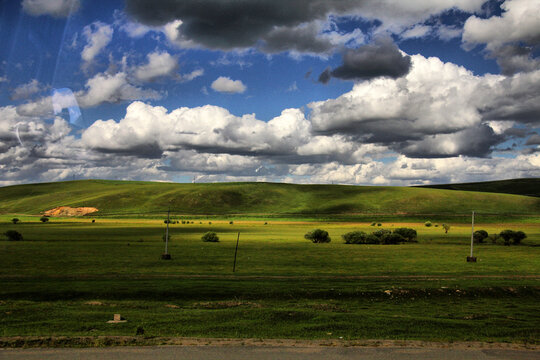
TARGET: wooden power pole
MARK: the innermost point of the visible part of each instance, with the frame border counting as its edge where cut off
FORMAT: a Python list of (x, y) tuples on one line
[(471, 258), (166, 255)]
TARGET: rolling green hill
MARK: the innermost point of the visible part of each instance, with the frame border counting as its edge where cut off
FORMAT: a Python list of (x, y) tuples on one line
[(130, 197), (528, 187)]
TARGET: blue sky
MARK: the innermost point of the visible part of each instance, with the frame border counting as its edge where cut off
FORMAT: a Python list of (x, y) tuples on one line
[(356, 92)]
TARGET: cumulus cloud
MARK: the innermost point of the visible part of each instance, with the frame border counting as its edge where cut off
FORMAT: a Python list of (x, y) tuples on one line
[(506, 37), (434, 109), (382, 58), (112, 88), (55, 8), (226, 85), (98, 35), (24, 91), (159, 65)]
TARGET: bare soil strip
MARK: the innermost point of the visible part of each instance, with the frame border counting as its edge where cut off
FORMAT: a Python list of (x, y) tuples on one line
[(272, 277), (98, 341)]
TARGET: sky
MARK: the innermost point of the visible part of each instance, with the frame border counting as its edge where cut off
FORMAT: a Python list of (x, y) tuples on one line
[(366, 92)]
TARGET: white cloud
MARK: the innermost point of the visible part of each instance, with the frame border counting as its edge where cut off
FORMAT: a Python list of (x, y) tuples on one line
[(24, 91), (98, 35), (226, 85), (519, 22), (112, 88), (193, 75), (159, 65), (55, 8), (416, 31)]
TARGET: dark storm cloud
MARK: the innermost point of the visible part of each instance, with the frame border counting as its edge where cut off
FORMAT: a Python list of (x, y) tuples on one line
[(228, 24), (301, 39), (533, 140), (473, 142), (325, 76), (382, 58), (513, 59)]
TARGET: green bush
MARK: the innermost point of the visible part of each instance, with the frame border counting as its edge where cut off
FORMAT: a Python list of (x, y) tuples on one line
[(354, 237), (407, 233), (381, 233), (494, 238), (379, 224), (480, 235), (210, 236), (231, 222), (372, 239), (428, 224), (13, 235), (15, 220), (392, 239), (44, 219), (518, 236), (373, 223), (318, 236)]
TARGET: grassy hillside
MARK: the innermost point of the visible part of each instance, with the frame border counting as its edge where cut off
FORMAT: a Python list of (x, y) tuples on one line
[(127, 197), (528, 187)]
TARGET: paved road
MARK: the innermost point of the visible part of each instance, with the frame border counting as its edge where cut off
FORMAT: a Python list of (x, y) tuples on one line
[(267, 353)]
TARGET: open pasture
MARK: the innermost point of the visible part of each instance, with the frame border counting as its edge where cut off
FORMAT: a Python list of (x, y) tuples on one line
[(70, 275)]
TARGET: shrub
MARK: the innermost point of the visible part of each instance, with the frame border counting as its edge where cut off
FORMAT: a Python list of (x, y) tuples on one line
[(167, 221), (183, 222), (518, 236), (507, 235), (373, 223), (318, 236), (392, 239), (354, 237), (209, 223), (13, 235), (381, 233), (44, 219), (494, 238), (407, 233), (210, 236), (372, 239), (379, 224), (480, 235), (93, 221), (428, 224), (15, 220), (231, 222), (446, 227)]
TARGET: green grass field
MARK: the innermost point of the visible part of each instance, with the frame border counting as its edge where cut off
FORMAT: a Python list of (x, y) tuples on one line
[(69, 276), (136, 199)]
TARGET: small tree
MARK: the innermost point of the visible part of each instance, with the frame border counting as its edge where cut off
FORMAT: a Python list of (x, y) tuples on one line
[(44, 219), (480, 235), (428, 224), (381, 233), (318, 236), (231, 222), (13, 235), (210, 236), (407, 233), (15, 220), (446, 227)]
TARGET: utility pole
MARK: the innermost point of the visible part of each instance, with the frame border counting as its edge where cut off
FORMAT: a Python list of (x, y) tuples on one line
[(471, 258), (235, 251), (166, 255)]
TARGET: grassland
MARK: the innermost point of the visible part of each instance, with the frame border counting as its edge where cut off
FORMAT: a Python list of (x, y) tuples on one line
[(527, 187), (135, 199), (70, 275)]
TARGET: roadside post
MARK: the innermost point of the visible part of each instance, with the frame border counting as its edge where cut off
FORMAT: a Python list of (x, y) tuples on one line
[(472, 258)]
